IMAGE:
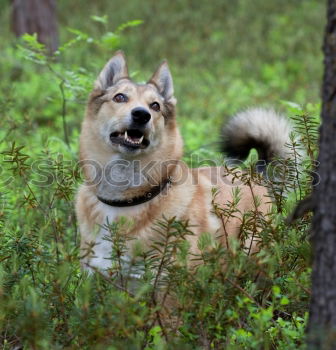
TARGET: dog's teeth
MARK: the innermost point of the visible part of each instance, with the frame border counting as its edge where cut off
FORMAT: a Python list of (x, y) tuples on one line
[(130, 140)]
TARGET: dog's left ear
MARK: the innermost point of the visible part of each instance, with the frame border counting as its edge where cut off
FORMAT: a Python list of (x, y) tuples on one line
[(114, 70), (163, 81)]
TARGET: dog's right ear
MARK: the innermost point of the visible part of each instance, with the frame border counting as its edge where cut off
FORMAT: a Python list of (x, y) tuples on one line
[(114, 70)]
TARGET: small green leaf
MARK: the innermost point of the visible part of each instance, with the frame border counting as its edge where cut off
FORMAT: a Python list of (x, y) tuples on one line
[(100, 19), (284, 301)]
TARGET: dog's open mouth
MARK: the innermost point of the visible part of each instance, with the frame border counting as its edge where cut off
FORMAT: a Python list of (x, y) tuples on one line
[(131, 138)]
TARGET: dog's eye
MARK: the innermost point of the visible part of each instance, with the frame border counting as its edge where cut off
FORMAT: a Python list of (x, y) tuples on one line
[(119, 98), (155, 106)]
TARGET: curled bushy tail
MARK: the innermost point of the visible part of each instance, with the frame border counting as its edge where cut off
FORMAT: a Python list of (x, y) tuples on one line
[(263, 129)]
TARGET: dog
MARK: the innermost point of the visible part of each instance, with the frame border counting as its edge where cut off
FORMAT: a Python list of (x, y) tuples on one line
[(131, 151)]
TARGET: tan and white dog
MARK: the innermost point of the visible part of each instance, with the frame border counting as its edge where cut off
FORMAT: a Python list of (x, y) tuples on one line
[(131, 149)]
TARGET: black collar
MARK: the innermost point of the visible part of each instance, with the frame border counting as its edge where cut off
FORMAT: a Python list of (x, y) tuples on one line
[(156, 190)]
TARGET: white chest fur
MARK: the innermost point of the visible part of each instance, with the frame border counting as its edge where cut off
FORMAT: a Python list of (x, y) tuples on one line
[(101, 259)]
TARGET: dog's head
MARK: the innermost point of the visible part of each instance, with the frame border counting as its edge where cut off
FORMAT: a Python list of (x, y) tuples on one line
[(132, 118)]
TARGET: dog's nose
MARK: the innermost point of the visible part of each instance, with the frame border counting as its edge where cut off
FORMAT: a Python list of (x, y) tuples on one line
[(140, 115)]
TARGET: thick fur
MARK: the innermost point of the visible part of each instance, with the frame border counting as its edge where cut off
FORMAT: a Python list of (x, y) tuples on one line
[(189, 197), (263, 129)]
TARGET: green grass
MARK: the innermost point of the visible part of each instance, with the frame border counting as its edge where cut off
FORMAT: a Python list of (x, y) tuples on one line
[(224, 56)]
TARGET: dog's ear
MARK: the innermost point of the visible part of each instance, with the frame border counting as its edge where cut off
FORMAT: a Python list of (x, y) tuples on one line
[(114, 70), (163, 81)]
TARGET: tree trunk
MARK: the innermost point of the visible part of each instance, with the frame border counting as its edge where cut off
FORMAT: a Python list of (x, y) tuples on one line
[(36, 16), (322, 320)]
